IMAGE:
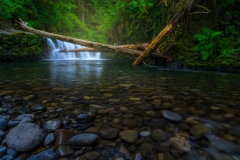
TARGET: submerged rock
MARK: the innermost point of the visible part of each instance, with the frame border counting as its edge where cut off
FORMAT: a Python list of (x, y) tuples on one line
[(24, 137), (81, 140), (171, 115)]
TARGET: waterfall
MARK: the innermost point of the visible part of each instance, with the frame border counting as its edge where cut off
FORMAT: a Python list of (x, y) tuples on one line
[(54, 48)]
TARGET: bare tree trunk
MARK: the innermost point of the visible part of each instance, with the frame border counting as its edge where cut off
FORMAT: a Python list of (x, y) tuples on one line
[(99, 46), (164, 33)]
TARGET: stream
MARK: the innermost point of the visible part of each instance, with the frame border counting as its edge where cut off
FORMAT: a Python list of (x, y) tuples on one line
[(132, 100)]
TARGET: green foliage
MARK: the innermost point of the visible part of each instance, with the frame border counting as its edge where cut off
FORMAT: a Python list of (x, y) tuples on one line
[(7, 7), (20, 46), (209, 42)]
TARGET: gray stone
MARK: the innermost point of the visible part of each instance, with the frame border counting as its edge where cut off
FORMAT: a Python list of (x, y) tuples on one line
[(24, 137), (7, 157), (22, 116), (49, 140), (52, 124), (3, 150), (81, 140), (3, 124), (171, 115), (92, 155)]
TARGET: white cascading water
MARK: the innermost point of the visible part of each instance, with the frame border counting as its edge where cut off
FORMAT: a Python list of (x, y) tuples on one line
[(55, 48)]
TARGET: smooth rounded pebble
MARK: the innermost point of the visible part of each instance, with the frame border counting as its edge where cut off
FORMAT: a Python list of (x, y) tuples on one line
[(84, 139), (171, 115), (24, 137)]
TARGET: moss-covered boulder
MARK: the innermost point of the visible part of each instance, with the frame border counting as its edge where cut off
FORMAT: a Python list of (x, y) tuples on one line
[(20, 46)]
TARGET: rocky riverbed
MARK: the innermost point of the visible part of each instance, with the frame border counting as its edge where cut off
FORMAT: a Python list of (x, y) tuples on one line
[(116, 129), (154, 118)]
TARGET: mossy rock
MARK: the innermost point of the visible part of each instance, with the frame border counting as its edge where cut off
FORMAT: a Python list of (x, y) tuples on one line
[(20, 46)]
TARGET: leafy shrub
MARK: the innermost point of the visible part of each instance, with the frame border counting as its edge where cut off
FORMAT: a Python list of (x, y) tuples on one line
[(209, 42)]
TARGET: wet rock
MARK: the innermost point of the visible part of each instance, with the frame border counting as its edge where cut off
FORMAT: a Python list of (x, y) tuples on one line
[(199, 130), (65, 122), (123, 150), (158, 135), (38, 108), (92, 155), (109, 133), (83, 118), (171, 115), (3, 150), (24, 137), (49, 140), (180, 143), (81, 140), (2, 134), (145, 133), (45, 155), (132, 123), (64, 151), (12, 152), (52, 124), (3, 124), (63, 136), (12, 124), (23, 116), (7, 157), (129, 136), (26, 120), (108, 143)]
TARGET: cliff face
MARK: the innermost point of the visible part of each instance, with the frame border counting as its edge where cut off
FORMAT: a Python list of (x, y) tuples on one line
[(17, 45)]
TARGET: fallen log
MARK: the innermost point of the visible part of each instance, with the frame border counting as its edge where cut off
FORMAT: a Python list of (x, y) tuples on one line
[(139, 47), (164, 33), (85, 49), (90, 44)]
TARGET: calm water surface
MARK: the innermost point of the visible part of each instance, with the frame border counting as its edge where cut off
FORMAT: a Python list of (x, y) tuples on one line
[(210, 98)]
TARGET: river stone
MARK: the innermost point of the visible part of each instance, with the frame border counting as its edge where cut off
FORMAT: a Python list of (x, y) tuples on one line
[(3, 150), (129, 136), (92, 155), (63, 136), (132, 123), (109, 133), (23, 116), (82, 118), (145, 133), (7, 157), (158, 135), (199, 130), (49, 140), (171, 115), (81, 140), (52, 124), (24, 137), (63, 151), (3, 124), (180, 143), (38, 108), (45, 155)]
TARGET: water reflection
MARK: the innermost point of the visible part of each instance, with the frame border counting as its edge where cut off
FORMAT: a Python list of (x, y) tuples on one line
[(68, 71)]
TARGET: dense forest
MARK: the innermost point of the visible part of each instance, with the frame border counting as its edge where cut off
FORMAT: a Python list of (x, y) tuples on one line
[(208, 35)]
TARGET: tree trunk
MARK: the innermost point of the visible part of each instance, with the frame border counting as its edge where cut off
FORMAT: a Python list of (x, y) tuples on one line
[(164, 33), (99, 46), (83, 12)]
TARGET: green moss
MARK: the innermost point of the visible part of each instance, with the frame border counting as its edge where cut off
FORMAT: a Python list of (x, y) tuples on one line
[(20, 46)]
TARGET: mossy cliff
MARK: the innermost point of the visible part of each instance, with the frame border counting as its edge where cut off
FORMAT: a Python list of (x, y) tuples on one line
[(20, 46)]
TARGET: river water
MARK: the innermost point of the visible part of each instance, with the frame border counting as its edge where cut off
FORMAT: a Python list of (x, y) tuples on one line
[(139, 93)]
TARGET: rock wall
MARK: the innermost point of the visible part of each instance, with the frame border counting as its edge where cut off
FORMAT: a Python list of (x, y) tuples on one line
[(18, 45)]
